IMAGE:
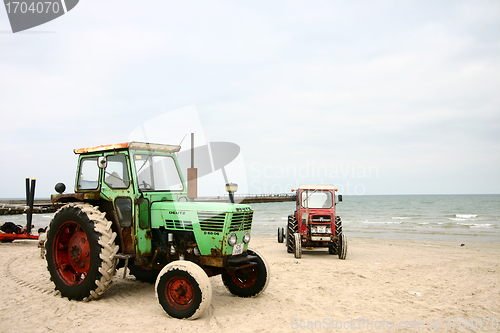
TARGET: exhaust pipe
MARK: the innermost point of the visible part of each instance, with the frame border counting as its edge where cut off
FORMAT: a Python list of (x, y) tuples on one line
[(192, 175)]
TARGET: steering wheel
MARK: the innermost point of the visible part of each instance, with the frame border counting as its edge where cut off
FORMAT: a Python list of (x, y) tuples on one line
[(145, 186)]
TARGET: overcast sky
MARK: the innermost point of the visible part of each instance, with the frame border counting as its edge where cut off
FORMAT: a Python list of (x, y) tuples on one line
[(376, 97)]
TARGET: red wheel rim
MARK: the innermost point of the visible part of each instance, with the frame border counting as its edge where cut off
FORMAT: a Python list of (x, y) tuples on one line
[(71, 250), (179, 293), (245, 278)]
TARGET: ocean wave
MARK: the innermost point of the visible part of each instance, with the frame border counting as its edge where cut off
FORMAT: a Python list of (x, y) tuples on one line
[(401, 217), (381, 222), (465, 217), (467, 225), (478, 225)]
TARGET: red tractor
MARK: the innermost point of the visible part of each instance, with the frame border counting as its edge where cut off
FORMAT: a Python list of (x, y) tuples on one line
[(314, 222)]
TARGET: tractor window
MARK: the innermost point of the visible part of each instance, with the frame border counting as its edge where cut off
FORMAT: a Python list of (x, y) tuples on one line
[(116, 172), (123, 207), (157, 173), (88, 177), (317, 199)]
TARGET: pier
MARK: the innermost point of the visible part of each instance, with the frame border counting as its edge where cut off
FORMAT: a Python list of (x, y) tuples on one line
[(8, 207), (249, 198)]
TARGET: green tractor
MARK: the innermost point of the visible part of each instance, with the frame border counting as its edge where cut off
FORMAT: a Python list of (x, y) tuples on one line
[(131, 208)]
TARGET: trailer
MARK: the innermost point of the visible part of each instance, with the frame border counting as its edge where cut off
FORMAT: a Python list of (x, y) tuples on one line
[(8, 238)]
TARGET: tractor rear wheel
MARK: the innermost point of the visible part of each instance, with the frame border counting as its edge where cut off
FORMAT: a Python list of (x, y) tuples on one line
[(338, 226), (297, 245), (250, 281), (333, 249), (81, 251), (183, 290), (281, 234), (342, 247), (292, 227)]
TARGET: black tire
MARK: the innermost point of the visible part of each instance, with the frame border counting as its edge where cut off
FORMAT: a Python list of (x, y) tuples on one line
[(183, 290), (338, 226), (342, 247), (250, 281), (333, 249), (143, 274), (298, 246), (292, 227), (281, 234), (9, 228), (7, 240), (81, 251)]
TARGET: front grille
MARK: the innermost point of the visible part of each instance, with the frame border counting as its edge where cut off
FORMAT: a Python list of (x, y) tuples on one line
[(211, 221), (241, 221), (321, 219), (176, 224)]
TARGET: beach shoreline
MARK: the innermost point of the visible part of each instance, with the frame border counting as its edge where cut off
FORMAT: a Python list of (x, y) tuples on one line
[(382, 282)]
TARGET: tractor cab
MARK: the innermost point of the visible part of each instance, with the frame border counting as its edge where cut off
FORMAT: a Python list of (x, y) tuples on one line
[(315, 209)]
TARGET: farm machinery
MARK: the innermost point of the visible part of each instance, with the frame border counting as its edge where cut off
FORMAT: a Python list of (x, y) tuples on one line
[(314, 224), (132, 208)]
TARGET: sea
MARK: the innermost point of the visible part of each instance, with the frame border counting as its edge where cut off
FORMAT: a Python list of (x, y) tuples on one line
[(453, 218)]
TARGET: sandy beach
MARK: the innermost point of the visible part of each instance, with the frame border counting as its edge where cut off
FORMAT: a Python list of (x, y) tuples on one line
[(384, 285)]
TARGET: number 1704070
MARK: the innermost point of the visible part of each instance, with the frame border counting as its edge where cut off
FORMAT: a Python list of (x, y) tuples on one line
[(33, 7), (473, 323)]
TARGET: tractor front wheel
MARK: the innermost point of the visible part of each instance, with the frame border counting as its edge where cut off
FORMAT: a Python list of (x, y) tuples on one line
[(250, 281), (81, 251), (342, 247), (183, 290), (298, 246)]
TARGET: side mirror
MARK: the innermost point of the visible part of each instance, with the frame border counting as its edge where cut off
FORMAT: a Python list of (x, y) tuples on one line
[(102, 162), (340, 197)]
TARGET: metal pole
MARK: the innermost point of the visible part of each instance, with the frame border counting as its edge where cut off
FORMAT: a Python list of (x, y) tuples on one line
[(27, 191), (192, 150), (30, 199)]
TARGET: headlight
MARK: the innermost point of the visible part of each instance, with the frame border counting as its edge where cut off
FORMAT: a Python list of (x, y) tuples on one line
[(246, 237), (232, 239), (314, 230), (328, 230)]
